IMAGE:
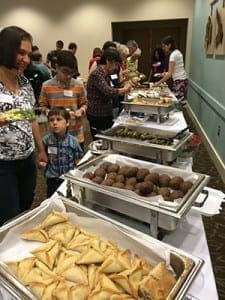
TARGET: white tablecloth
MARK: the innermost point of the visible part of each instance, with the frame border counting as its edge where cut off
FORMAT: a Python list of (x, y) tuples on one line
[(190, 237)]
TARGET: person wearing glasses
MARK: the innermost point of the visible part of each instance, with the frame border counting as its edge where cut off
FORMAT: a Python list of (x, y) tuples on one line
[(64, 90)]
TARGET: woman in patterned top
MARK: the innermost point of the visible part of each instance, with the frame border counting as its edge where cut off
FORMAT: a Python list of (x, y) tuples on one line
[(100, 93), (18, 137), (63, 149)]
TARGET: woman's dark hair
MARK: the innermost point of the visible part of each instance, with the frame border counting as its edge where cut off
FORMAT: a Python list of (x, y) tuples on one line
[(59, 111), (111, 55), (108, 45), (97, 52), (72, 46), (66, 59), (169, 40), (160, 53), (10, 41)]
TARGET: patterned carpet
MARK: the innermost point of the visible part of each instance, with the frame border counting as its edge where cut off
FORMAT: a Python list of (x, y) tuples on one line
[(214, 226)]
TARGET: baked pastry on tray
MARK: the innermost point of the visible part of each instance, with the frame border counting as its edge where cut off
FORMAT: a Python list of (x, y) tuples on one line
[(74, 264)]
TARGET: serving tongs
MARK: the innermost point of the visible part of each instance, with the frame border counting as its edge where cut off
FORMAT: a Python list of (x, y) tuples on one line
[(177, 136), (169, 140)]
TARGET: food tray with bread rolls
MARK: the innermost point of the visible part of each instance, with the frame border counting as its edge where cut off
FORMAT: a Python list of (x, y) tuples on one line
[(153, 193), (63, 250), (160, 145)]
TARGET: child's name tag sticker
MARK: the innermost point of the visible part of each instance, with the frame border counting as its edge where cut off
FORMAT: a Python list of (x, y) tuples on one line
[(52, 150), (68, 93)]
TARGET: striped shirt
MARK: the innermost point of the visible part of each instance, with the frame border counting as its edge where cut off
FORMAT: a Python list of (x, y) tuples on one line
[(73, 97), (62, 154)]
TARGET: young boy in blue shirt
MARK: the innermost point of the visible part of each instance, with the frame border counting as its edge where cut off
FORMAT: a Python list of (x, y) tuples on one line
[(62, 148)]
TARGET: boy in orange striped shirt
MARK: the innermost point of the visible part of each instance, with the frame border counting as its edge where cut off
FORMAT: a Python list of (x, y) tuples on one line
[(64, 90)]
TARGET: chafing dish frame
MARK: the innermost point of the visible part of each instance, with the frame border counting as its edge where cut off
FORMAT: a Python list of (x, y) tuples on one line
[(135, 206), (132, 146)]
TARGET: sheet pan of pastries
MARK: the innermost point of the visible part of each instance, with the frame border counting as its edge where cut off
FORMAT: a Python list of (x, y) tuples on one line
[(64, 260)]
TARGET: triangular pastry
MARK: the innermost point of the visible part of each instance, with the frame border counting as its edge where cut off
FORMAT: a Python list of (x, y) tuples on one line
[(47, 253), (24, 267), (75, 274), (65, 260), (91, 256), (62, 291), (35, 275), (60, 227), (79, 292), (158, 284), (112, 265), (102, 294), (49, 291), (93, 276), (108, 284), (38, 288), (145, 265), (64, 236), (54, 218), (35, 234), (124, 283)]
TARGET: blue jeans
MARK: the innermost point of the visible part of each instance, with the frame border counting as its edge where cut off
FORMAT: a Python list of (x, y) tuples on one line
[(17, 185)]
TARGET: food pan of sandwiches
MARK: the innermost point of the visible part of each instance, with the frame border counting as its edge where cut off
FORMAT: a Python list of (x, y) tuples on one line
[(62, 250), (136, 188)]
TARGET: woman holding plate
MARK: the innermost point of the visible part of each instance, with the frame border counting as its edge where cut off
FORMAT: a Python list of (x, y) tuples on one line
[(18, 136)]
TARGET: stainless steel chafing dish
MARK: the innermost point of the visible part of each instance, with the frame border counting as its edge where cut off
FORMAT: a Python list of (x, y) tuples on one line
[(156, 144), (185, 266), (163, 214), (150, 107)]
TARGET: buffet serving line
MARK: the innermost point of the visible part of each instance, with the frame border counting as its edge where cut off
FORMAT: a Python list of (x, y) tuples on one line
[(135, 206)]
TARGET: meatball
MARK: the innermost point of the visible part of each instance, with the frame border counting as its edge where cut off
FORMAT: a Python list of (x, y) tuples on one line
[(153, 177), (131, 181), (146, 188), (141, 173), (119, 185), (129, 187), (100, 172), (97, 179), (164, 180), (88, 175), (185, 186), (105, 165), (131, 171), (107, 182), (175, 182), (164, 192), (111, 175), (175, 195), (120, 178), (113, 168)]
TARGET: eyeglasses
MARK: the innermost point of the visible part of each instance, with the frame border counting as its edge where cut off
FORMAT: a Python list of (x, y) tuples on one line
[(66, 72)]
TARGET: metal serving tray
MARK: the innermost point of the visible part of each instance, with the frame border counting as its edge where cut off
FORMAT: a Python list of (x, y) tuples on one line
[(150, 108), (185, 266), (145, 148), (163, 215)]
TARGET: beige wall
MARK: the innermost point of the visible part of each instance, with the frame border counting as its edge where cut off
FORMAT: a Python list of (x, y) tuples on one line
[(87, 22)]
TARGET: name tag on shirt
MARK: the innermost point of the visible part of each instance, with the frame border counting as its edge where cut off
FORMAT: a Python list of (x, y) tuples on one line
[(114, 76), (68, 93), (52, 150)]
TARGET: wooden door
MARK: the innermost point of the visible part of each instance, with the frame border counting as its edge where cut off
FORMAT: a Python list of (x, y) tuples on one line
[(148, 35)]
